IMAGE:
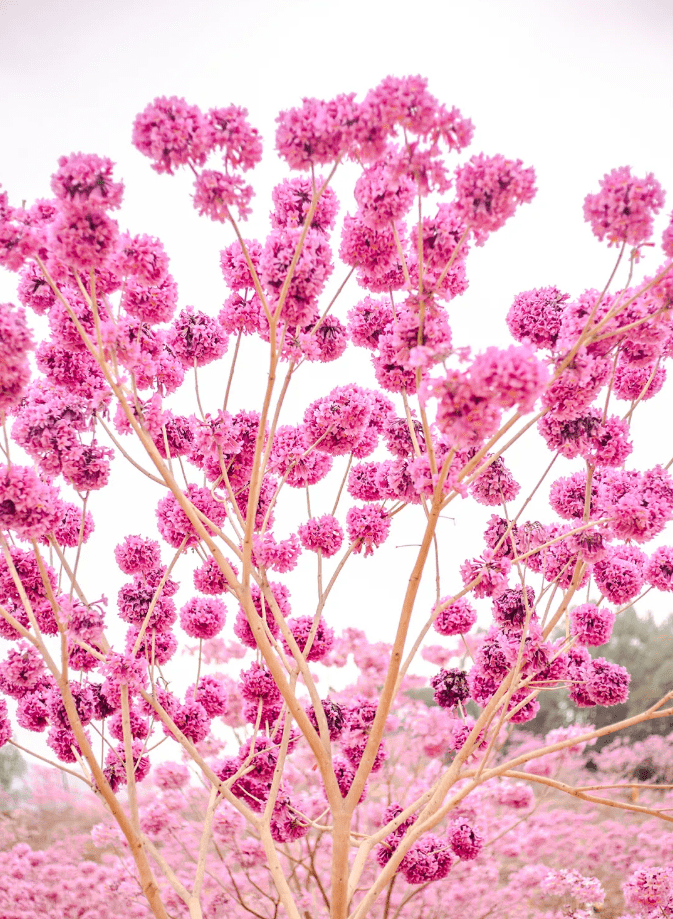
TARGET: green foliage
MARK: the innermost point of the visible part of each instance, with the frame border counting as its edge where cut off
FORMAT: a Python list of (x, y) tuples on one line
[(637, 643), (12, 766), (646, 650)]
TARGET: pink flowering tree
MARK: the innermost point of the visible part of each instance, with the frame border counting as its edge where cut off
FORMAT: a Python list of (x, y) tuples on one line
[(433, 429)]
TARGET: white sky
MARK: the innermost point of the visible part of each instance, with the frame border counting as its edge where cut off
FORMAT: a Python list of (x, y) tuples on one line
[(572, 87)]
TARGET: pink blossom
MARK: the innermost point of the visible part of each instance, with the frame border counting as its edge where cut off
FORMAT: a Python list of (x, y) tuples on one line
[(667, 239), (339, 419), (197, 338), (74, 371), (513, 608), (86, 622), (138, 725), (87, 178), (137, 554), (363, 483), (231, 132), (610, 443), (367, 526), (134, 602), (322, 640), (15, 343), (383, 194), (209, 579), (34, 290), (170, 776), (317, 133), (624, 207), (257, 683), (30, 576), (192, 719), (174, 525), (276, 556), (144, 258), (344, 774), (465, 841), (488, 191), (322, 534), (367, 320), (495, 485), (634, 382), (172, 133), (151, 303), (456, 618), (463, 414), (281, 595), (241, 313), (309, 277), (32, 712), (450, 687), (157, 647), (235, 266), (292, 200), (607, 683), (502, 537), (292, 458), (62, 741), (28, 506), (215, 193), (212, 694), (391, 374), (535, 316), (87, 467), (325, 341), (334, 715), (567, 496), (83, 237), (513, 377), (440, 237), (392, 840), (22, 671), (429, 859), (650, 889), (23, 234), (658, 569), (372, 251), (592, 625), (492, 572), (124, 670), (203, 617)]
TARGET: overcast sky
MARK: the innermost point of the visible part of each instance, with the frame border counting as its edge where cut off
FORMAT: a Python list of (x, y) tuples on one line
[(572, 87)]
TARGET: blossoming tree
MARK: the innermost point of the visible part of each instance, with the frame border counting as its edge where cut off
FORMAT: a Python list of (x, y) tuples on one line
[(434, 430)]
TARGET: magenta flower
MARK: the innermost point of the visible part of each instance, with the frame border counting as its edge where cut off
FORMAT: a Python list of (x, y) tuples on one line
[(28, 506), (624, 208), (292, 200), (535, 316), (456, 618), (15, 343), (203, 617), (317, 133), (231, 132), (488, 191), (215, 194), (322, 534), (367, 527), (87, 178), (592, 625), (82, 236), (172, 133)]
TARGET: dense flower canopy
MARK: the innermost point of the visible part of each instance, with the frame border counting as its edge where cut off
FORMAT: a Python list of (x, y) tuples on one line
[(243, 490)]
